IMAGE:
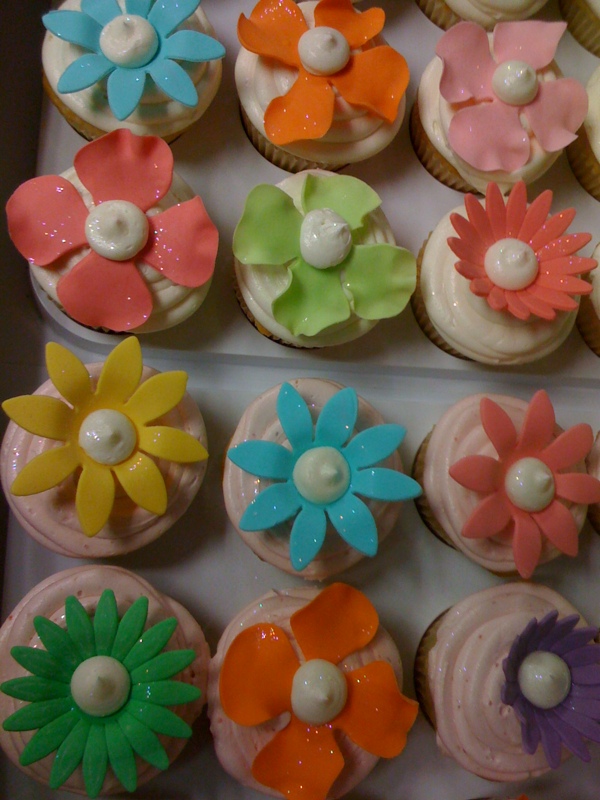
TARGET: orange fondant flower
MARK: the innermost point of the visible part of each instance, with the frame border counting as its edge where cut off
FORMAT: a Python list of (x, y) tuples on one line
[(370, 77), (259, 681)]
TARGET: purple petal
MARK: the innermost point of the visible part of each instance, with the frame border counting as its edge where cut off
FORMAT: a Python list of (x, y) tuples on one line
[(544, 627), (576, 639), (571, 739), (550, 739), (561, 629), (584, 656), (589, 728), (586, 706), (586, 676)]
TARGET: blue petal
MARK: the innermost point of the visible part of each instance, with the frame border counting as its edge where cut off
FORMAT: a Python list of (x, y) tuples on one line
[(385, 484), (192, 46), (337, 419), (166, 15), (295, 417), (373, 445), (275, 505), (139, 7), (355, 524), (307, 537), (174, 81), (74, 27), (84, 72), (103, 11), (125, 88), (264, 459)]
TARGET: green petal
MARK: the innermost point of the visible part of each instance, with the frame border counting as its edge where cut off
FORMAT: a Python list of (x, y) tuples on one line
[(166, 693), (34, 689), (37, 715), (144, 742), (130, 628), (159, 719), (347, 196), (151, 643), (57, 641), (162, 666), (269, 230), (41, 663), (121, 756), (313, 301), (49, 738), (380, 278), (69, 754), (106, 623), (80, 627), (95, 760)]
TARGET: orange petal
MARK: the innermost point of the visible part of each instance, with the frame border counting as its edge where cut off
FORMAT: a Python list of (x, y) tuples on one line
[(382, 97), (300, 762), (377, 716), (305, 112), (339, 621), (256, 677), (273, 30), (358, 28)]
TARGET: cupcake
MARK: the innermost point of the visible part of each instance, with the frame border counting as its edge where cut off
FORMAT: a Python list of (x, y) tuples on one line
[(103, 458), (318, 85), (94, 663), (151, 67), (447, 13), (332, 271), (495, 107), (499, 280), (584, 152), (136, 249), (275, 728), (592, 464), (510, 679), (302, 457), (583, 18), (504, 484)]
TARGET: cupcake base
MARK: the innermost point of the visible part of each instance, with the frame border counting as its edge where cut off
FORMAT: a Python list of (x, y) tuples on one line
[(584, 163), (588, 324), (583, 24), (439, 13)]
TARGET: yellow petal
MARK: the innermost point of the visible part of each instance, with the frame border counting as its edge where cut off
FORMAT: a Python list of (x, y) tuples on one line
[(43, 416), (172, 444), (156, 396), (68, 374), (121, 373), (143, 482), (95, 497), (46, 470)]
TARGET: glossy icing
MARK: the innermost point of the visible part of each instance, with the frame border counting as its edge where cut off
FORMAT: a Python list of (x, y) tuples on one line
[(488, 12)]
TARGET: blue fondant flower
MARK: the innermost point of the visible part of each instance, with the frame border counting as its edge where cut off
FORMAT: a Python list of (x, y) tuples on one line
[(321, 475), (128, 46)]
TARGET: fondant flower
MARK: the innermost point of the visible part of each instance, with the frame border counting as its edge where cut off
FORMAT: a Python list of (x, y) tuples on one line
[(98, 693), (330, 277), (320, 475), (502, 101), (104, 431), (553, 683), (335, 57), (262, 678), (125, 175), (523, 488), (127, 47), (518, 258)]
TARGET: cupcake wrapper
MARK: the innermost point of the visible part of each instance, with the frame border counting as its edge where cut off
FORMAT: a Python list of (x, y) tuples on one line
[(439, 13), (588, 324), (421, 502), (424, 697), (583, 24), (584, 163)]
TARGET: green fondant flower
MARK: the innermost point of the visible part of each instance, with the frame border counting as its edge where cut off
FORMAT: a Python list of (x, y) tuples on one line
[(98, 693), (373, 281)]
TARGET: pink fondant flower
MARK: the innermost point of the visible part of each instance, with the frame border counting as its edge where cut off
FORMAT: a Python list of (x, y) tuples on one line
[(49, 221), (502, 102), (525, 493), (517, 257)]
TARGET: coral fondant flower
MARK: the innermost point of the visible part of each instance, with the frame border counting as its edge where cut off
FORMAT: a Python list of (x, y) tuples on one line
[(518, 258), (320, 475), (553, 683), (502, 101), (335, 57), (523, 488), (104, 431), (330, 277), (262, 678), (98, 693), (126, 175), (127, 47)]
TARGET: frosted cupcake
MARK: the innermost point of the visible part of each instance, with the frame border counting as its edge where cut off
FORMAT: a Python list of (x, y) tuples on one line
[(487, 13), (495, 107), (584, 152), (101, 678), (318, 85), (333, 270), (104, 458), (151, 67), (272, 728), (583, 17), (136, 250)]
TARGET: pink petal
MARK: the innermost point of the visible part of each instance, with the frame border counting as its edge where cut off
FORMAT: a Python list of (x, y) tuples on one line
[(537, 306), (122, 166), (569, 448), (578, 487), (467, 250), (529, 41), (557, 524), (105, 294), (554, 227), (516, 206), (569, 265), (479, 219), (498, 427), (526, 544), (539, 423), (472, 243), (479, 473), (565, 283), (516, 306), (481, 287), (489, 137), (536, 216), (490, 517), (467, 270), (183, 244), (46, 219), (468, 65), (557, 113), (497, 298), (496, 210), (558, 300), (565, 246)]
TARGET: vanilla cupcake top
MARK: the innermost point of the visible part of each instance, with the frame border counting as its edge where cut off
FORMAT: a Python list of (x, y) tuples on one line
[(489, 12)]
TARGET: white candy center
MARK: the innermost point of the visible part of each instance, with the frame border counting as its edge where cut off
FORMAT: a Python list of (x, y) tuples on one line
[(515, 82), (107, 436), (544, 679), (511, 264), (319, 692), (529, 484), (100, 686), (117, 230), (325, 238), (321, 475), (129, 41), (323, 51)]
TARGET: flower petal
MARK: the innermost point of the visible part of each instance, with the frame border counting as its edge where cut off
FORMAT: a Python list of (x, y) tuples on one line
[(337, 419), (550, 739), (139, 7), (166, 15), (358, 28), (143, 482), (153, 398), (489, 518), (535, 216), (74, 27), (57, 641), (143, 742), (256, 239), (467, 63), (349, 197), (48, 739), (478, 217), (489, 137), (106, 623), (80, 627), (46, 471), (121, 372), (121, 756), (255, 683), (84, 72), (385, 484), (162, 666), (159, 719), (569, 448), (557, 113), (264, 459), (125, 88), (95, 497), (41, 663), (33, 688), (305, 112), (68, 374), (495, 210), (478, 473), (538, 426), (69, 754), (526, 544), (373, 445), (161, 441), (295, 417), (273, 31), (553, 229), (166, 693), (381, 278), (174, 81), (532, 41), (41, 415), (130, 628), (192, 46), (103, 11), (471, 246), (354, 522), (150, 644), (578, 488), (498, 426), (275, 505), (307, 536), (516, 206), (38, 715), (567, 245), (557, 524)]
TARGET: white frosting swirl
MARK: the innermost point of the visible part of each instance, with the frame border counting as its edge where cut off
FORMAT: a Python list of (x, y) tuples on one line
[(107, 436), (129, 41), (100, 685), (117, 229), (515, 82), (321, 475), (489, 12), (323, 51), (325, 238)]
